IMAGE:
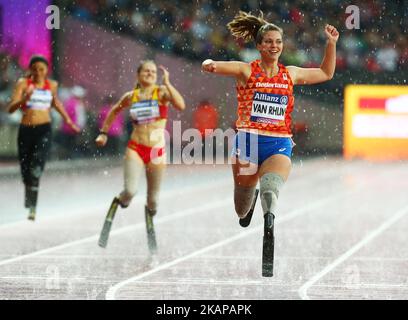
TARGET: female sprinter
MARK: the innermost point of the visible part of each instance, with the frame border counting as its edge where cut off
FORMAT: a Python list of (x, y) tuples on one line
[(265, 102), (147, 104), (34, 95)]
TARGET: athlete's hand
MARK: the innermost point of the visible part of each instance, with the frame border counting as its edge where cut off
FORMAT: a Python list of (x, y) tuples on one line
[(208, 66), (331, 33), (74, 127), (28, 92), (166, 75), (101, 140)]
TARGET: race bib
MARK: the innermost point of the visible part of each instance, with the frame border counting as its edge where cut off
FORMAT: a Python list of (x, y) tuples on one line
[(268, 107), (145, 111), (40, 100)]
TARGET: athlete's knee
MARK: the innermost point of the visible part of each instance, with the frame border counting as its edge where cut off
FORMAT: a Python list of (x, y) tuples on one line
[(35, 172), (152, 199), (151, 204), (30, 177), (243, 199), (126, 197), (31, 196), (150, 210), (270, 184), (32, 181)]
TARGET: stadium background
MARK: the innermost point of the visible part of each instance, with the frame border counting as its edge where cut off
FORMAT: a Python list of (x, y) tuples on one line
[(341, 225), (100, 43)]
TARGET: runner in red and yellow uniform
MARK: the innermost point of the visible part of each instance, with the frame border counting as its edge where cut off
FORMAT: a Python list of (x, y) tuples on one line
[(265, 103), (147, 104)]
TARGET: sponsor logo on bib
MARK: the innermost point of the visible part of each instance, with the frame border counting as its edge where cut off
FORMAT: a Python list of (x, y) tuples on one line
[(268, 107), (145, 111), (40, 99)]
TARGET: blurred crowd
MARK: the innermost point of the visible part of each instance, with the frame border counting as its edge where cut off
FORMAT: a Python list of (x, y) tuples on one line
[(10, 71), (197, 29)]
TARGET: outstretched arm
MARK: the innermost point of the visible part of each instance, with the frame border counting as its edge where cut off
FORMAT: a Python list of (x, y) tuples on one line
[(123, 103), (239, 70), (170, 93), (327, 67), (57, 104)]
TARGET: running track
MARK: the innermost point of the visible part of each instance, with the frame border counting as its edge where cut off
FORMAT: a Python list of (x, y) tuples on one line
[(340, 234)]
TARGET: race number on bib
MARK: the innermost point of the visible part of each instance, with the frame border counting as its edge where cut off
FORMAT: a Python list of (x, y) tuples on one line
[(40, 100), (145, 111), (268, 107)]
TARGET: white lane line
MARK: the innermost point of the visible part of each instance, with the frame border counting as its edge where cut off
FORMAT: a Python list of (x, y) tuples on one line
[(206, 282), (372, 235), (110, 295), (166, 194), (240, 281), (297, 177), (363, 286), (316, 177), (247, 257), (187, 212), (34, 278), (219, 257)]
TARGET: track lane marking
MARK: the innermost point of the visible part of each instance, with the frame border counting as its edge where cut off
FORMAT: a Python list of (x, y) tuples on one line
[(367, 239)]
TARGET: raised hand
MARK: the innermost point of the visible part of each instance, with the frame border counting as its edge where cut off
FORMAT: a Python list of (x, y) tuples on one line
[(28, 92), (166, 75), (331, 33), (74, 127)]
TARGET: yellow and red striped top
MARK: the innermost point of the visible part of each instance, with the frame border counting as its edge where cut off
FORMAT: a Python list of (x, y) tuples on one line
[(148, 110)]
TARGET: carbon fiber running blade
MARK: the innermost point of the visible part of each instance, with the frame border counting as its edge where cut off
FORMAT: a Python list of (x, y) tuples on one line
[(268, 246), (151, 235), (103, 238), (267, 256)]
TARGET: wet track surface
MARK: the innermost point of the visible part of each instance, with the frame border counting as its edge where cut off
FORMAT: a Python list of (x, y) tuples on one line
[(340, 234)]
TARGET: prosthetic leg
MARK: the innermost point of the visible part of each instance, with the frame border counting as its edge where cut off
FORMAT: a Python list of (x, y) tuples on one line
[(268, 245), (244, 222), (270, 184), (103, 238), (151, 236)]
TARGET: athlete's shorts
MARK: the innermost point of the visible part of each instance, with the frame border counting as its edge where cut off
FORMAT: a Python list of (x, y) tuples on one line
[(262, 147), (146, 153)]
